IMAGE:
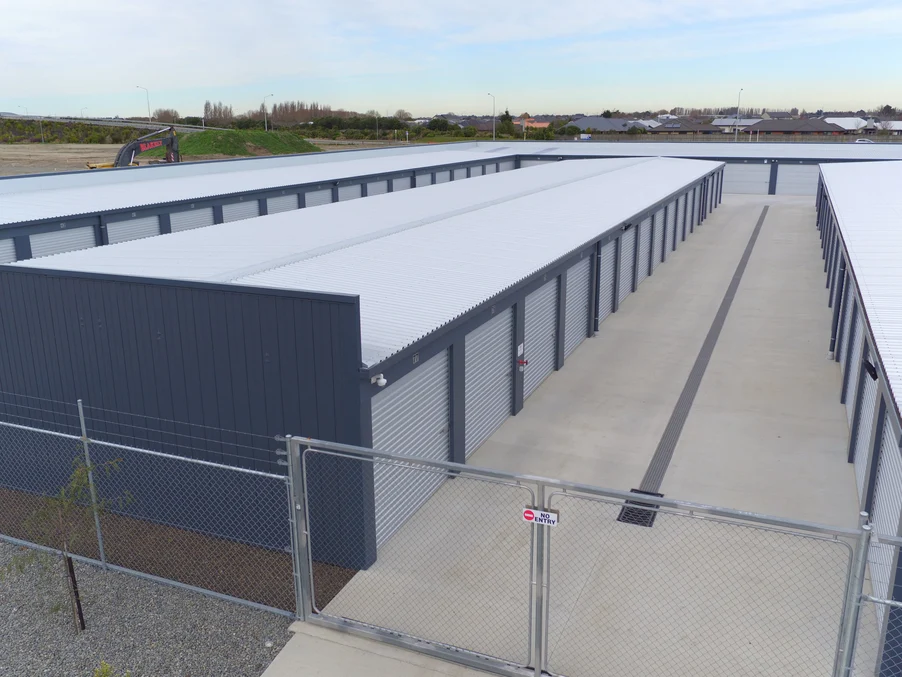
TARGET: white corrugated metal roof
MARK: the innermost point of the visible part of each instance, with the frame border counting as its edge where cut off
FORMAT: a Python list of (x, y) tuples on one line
[(849, 124), (44, 203), (868, 207)]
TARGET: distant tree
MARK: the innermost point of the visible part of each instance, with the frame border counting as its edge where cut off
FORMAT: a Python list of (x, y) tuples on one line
[(439, 125), (885, 127), (506, 124), (192, 120), (794, 112), (572, 130), (166, 115), (887, 111), (607, 114), (402, 114), (637, 129), (525, 116), (470, 130)]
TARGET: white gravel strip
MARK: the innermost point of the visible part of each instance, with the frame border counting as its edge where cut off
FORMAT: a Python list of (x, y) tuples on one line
[(149, 629)]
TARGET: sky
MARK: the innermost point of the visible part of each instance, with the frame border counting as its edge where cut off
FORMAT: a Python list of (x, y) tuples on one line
[(59, 57)]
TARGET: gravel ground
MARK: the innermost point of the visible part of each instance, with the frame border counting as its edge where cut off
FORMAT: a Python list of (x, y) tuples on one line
[(152, 630)]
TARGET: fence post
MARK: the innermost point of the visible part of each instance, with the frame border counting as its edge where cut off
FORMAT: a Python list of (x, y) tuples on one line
[(853, 601), (297, 516), (94, 508), (539, 624)]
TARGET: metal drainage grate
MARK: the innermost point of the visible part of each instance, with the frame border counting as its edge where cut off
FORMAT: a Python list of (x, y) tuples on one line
[(639, 513)]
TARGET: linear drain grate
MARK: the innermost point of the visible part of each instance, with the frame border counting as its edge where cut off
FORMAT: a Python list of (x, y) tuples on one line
[(638, 513)]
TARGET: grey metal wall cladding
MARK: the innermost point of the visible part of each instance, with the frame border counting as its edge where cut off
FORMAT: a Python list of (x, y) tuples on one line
[(659, 239), (865, 422), (7, 251), (644, 248), (506, 165), (746, 178), (443, 177), (533, 163), (576, 311), (460, 173), (411, 416), (844, 338), (349, 192), (59, 241), (476, 171), (797, 179), (238, 211), (424, 180), (193, 218), (671, 226), (627, 259), (489, 379), (886, 511), (540, 338), (316, 198), (606, 272), (377, 188), (854, 367), (283, 203), (133, 229), (400, 184), (490, 168)]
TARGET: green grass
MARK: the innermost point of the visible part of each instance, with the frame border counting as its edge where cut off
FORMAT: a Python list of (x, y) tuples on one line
[(236, 142)]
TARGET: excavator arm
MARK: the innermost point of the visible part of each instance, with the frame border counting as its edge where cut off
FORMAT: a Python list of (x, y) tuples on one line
[(126, 155)]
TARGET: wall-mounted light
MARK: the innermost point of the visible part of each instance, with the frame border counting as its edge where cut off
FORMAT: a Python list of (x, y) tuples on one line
[(870, 369)]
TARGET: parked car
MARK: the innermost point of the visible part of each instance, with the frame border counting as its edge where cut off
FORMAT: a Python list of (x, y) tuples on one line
[(863, 141)]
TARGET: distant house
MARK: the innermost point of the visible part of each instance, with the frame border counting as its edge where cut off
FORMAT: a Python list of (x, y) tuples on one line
[(597, 123), (776, 115), (667, 116), (730, 125), (648, 124), (530, 123), (806, 127), (685, 127), (479, 125), (853, 125)]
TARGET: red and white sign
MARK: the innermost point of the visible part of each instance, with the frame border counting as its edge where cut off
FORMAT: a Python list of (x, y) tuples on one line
[(547, 518)]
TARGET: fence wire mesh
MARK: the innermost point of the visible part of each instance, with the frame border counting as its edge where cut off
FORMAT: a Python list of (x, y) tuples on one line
[(689, 595), (455, 569), (878, 638)]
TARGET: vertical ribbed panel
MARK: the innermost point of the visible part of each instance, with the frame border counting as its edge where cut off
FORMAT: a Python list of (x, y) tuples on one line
[(443, 176), (424, 179), (506, 165), (659, 239), (238, 211), (460, 173), (283, 203), (489, 379), (490, 168), (797, 179), (885, 515), (133, 229), (400, 184), (349, 192), (853, 366), (678, 220), (533, 163), (627, 259), (194, 218), (476, 171), (315, 198), (846, 325), (671, 226), (540, 338), (865, 423), (576, 311), (376, 188), (644, 248), (59, 241), (606, 273), (7, 251), (411, 416)]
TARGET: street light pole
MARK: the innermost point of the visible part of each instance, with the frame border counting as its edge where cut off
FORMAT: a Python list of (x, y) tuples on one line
[(265, 129), (147, 94), (493, 115), (83, 110), (736, 121)]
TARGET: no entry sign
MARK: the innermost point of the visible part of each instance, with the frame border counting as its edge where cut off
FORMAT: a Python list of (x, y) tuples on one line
[(547, 518)]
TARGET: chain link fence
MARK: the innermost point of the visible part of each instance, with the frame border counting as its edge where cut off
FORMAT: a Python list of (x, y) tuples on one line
[(878, 637)]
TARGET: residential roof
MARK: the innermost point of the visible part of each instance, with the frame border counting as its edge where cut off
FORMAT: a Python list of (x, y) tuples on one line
[(791, 126), (602, 124), (672, 126), (849, 124), (868, 207), (418, 259), (779, 115), (730, 122)]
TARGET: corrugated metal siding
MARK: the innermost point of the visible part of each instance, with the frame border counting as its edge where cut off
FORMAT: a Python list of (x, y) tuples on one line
[(238, 211), (133, 229), (659, 239), (746, 178), (671, 226), (865, 423), (7, 251), (413, 417), (488, 378), (460, 173), (283, 203), (351, 192), (797, 179), (693, 211), (506, 165), (315, 198), (490, 168), (606, 273), (376, 188), (844, 337), (680, 221), (533, 163), (424, 180), (644, 248), (59, 241), (540, 338), (194, 218), (443, 176), (885, 515), (400, 184), (476, 170), (576, 311), (854, 366), (627, 258)]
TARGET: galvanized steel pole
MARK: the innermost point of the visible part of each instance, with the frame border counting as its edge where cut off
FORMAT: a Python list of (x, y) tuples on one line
[(539, 624), (736, 121), (493, 115), (147, 94), (84, 441), (265, 128), (853, 601)]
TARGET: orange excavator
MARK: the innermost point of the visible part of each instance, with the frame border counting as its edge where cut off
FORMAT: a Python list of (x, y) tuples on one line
[(126, 155)]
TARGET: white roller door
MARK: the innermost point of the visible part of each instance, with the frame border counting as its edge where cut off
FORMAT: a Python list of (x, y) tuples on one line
[(460, 173), (746, 178), (576, 310), (238, 211), (854, 366), (627, 259), (644, 248), (671, 227), (400, 184), (315, 198), (506, 165), (133, 229), (424, 180), (283, 203), (540, 336), (196, 218), (411, 416), (376, 188), (349, 192), (606, 272), (476, 170), (7, 251), (692, 211), (443, 176), (865, 423), (678, 222), (844, 338), (797, 179), (490, 168), (59, 241), (488, 378), (533, 163), (885, 514), (658, 239)]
